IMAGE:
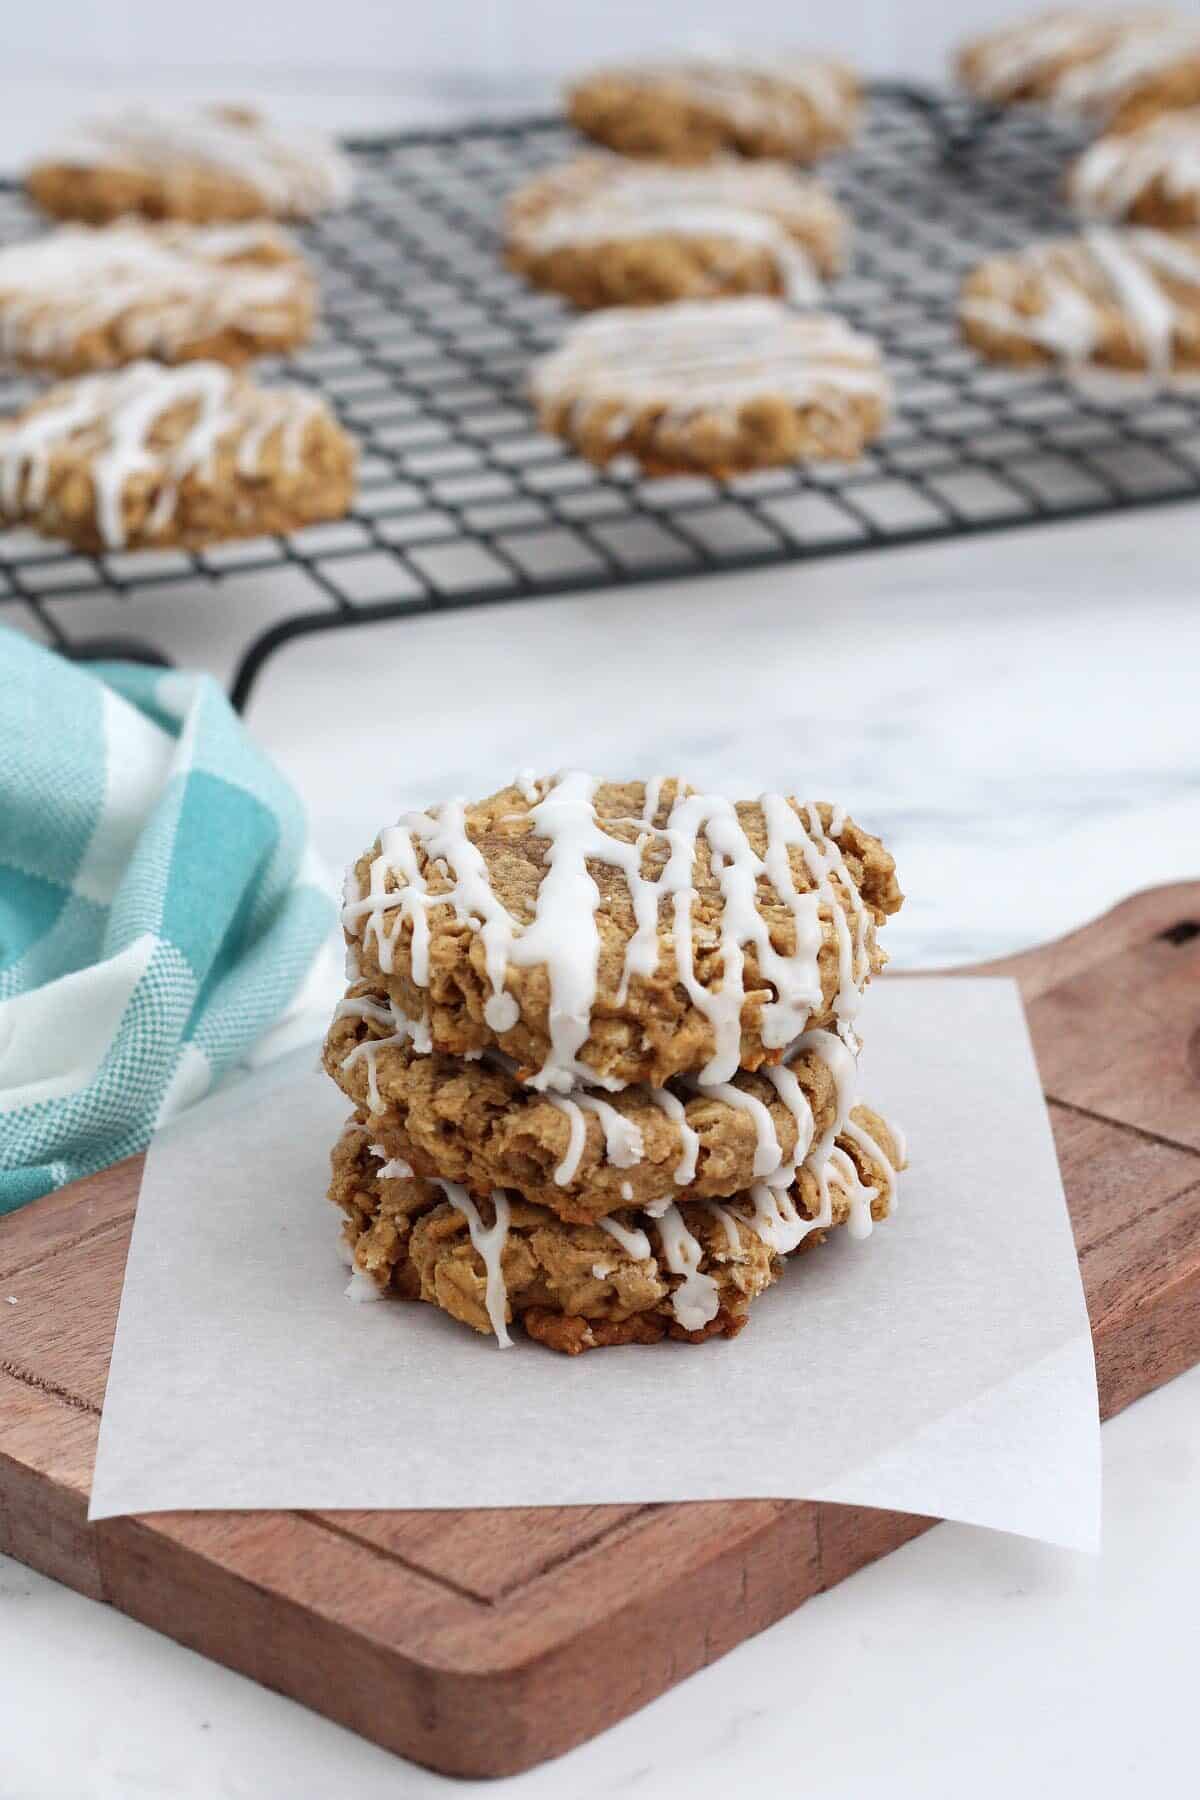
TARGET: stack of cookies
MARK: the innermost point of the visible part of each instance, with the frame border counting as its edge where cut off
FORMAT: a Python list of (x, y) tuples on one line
[(599, 1040)]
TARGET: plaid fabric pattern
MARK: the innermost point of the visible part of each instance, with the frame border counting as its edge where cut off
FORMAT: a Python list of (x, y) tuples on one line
[(160, 907)]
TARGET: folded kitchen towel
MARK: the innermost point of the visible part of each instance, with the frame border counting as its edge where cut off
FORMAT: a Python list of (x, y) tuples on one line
[(160, 907)]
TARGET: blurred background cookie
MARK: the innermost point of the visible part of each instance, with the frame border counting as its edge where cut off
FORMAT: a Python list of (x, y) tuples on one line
[(83, 297), (1127, 299), (1113, 69), (154, 456), (718, 386), (608, 230), (798, 107), (202, 164)]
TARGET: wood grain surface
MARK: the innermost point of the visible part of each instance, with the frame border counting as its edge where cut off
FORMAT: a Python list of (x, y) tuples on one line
[(482, 1642)]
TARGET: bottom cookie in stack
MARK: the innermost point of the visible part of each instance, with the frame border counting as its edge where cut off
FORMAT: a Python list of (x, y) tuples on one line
[(685, 1269)]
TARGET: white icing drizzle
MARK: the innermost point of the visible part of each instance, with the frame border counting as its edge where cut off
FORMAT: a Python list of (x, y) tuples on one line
[(362, 1287), (1123, 266), (871, 1147), (606, 199), (569, 1166), (1110, 176), (489, 1243), (633, 1241), (689, 1140), (1091, 63), (708, 356), (160, 287), (295, 173), (786, 1085), (120, 410), (623, 1145), (860, 1223), (563, 935), (696, 1300), (627, 1190), (395, 1170)]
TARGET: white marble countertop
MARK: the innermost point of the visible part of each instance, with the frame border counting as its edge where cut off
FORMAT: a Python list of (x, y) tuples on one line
[(1017, 715)]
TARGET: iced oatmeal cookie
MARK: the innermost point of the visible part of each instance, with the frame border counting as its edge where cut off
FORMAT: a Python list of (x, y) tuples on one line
[(620, 932), (716, 387), (688, 1270), (607, 231), (83, 298), (202, 164), (795, 106), (1112, 69), (583, 1154), (1122, 298), (154, 456)]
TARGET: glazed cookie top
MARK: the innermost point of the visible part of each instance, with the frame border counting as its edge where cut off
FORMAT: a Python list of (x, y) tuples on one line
[(1116, 172), (603, 932), (602, 199), (775, 100), (136, 289), (1083, 63), (714, 355), (151, 426), (293, 173), (1059, 295)]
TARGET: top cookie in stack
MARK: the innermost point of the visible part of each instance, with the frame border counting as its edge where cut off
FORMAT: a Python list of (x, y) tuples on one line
[(600, 1041)]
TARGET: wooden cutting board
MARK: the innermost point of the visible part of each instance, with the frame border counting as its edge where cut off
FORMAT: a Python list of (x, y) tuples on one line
[(482, 1642)]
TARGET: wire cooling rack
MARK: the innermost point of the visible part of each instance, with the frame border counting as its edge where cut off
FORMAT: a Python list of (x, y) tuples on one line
[(424, 350)]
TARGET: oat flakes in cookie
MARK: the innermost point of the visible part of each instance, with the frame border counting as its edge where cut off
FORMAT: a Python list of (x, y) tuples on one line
[(606, 230), (153, 456), (203, 164), (84, 297), (794, 106), (713, 387)]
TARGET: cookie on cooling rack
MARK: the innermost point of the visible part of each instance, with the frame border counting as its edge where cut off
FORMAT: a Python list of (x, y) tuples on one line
[(607, 230), (1123, 298), (1115, 69), (795, 106), (716, 387), (151, 456), (1150, 176), (201, 164), (85, 297)]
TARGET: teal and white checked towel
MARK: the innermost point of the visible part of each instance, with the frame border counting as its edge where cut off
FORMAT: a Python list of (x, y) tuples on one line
[(160, 907)]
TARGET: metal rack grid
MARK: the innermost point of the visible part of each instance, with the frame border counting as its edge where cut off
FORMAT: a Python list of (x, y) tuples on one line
[(424, 348)]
